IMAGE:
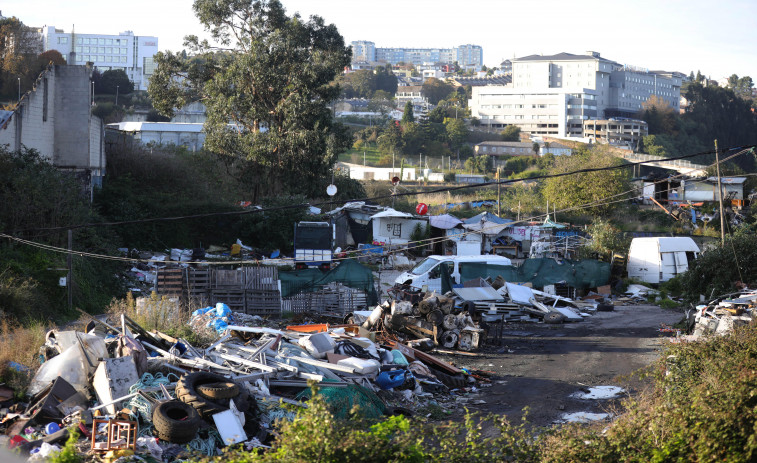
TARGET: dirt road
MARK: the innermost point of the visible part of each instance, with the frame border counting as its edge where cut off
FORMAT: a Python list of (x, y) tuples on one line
[(539, 366)]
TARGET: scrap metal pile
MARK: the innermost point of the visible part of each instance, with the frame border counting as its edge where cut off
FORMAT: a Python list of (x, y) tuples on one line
[(721, 315), (463, 318), (131, 391)]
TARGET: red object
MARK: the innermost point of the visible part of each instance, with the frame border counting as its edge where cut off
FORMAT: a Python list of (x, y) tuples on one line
[(395, 180), (421, 209), (16, 440)]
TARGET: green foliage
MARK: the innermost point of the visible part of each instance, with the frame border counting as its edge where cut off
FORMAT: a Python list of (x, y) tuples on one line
[(35, 196), (479, 164), (605, 240), (169, 183), (274, 229), (436, 90), (511, 133), (69, 453), (116, 80), (717, 270), (275, 73), (456, 132), (407, 114), (588, 189)]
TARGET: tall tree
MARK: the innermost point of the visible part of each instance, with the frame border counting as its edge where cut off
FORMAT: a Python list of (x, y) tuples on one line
[(407, 114), (586, 190), (511, 133), (436, 90), (385, 79), (116, 80), (267, 92), (457, 132)]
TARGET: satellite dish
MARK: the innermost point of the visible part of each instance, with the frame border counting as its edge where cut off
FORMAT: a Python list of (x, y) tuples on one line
[(331, 190), (395, 180)]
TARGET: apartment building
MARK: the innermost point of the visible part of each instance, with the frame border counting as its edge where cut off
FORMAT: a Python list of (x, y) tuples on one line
[(616, 131), (555, 94), (126, 51), (467, 56)]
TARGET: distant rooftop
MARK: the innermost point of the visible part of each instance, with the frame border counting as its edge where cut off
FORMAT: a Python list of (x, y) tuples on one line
[(481, 81), (560, 57)]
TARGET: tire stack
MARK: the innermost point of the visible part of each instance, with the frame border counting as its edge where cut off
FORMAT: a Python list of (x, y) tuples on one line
[(199, 396)]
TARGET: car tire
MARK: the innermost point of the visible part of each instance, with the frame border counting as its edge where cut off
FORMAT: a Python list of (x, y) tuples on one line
[(554, 318), (186, 391), (175, 421), (220, 390)]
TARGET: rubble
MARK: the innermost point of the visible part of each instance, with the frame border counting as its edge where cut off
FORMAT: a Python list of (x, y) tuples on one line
[(134, 392), (720, 316)]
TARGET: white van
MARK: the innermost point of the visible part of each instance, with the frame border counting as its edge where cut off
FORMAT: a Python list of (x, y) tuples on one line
[(655, 260), (428, 272)]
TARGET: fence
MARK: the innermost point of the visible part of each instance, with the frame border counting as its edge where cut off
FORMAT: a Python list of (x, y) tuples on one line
[(255, 291)]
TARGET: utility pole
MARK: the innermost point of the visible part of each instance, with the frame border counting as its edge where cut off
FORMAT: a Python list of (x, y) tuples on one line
[(499, 194), (69, 279), (720, 195), (116, 95)]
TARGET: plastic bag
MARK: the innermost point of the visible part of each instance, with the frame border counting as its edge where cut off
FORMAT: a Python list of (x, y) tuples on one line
[(74, 365)]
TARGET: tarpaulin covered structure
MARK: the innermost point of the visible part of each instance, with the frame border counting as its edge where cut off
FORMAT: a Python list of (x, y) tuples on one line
[(585, 273), (349, 273)]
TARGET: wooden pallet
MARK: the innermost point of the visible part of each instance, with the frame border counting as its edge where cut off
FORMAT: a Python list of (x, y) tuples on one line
[(170, 281)]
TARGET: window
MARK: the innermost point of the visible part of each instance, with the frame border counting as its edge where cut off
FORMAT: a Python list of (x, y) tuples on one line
[(108, 50), (62, 40), (79, 41), (109, 42), (123, 59), (123, 51), (109, 59), (86, 40), (78, 49), (102, 41)]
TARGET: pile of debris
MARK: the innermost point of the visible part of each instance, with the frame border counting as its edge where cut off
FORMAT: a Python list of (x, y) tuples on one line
[(462, 318), (131, 391), (721, 315)]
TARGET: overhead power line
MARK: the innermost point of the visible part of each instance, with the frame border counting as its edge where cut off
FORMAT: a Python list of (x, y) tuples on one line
[(407, 246), (374, 198)]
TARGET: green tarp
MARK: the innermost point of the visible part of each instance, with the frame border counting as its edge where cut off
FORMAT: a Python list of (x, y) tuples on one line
[(349, 273), (582, 274)]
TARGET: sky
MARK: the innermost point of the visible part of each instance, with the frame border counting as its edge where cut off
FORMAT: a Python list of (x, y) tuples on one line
[(718, 38)]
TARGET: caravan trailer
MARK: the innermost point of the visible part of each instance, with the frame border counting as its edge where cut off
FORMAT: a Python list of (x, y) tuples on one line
[(655, 260)]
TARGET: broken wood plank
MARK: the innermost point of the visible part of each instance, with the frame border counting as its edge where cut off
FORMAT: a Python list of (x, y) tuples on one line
[(424, 357)]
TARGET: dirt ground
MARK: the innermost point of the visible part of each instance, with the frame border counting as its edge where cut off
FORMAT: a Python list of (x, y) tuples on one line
[(539, 366)]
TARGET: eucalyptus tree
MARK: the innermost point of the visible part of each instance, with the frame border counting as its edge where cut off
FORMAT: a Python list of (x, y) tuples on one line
[(265, 79)]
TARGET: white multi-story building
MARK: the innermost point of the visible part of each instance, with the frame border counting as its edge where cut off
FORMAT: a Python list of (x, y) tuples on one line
[(554, 95), (131, 53), (363, 51), (467, 56)]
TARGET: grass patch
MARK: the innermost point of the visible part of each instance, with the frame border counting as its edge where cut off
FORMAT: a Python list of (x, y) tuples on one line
[(20, 344), (160, 313)]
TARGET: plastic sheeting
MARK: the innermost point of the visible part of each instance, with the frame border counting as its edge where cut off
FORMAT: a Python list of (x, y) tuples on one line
[(585, 273), (349, 273)]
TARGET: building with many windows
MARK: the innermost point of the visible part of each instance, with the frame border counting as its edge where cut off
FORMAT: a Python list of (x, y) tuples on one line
[(555, 94), (467, 56), (126, 51)]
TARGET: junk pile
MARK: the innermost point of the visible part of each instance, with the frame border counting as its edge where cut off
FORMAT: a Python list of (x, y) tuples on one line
[(461, 318), (129, 391), (721, 315)]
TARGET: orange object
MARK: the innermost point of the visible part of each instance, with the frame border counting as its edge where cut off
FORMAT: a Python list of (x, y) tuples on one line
[(314, 328)]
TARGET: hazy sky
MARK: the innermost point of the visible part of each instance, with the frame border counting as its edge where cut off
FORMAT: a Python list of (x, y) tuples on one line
[(718, 38)]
